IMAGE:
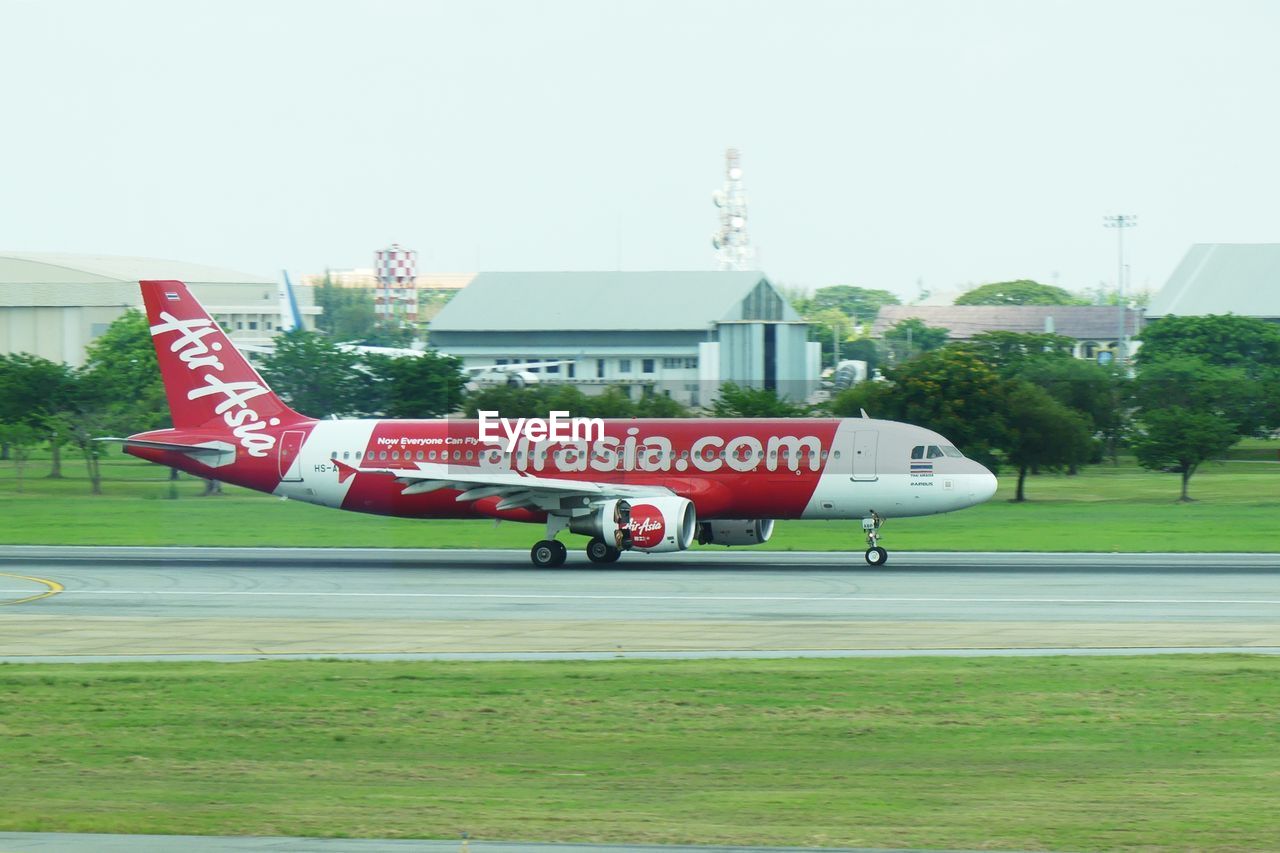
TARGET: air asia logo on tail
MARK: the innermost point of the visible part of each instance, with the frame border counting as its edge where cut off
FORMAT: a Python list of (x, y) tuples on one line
[(647, 525), (231, 398)]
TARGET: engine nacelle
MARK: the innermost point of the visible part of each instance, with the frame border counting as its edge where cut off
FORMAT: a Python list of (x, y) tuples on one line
[(735, 531), (649, 524)]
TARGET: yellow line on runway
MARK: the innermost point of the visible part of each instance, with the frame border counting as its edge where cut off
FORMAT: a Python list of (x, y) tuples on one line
[(54, 588)]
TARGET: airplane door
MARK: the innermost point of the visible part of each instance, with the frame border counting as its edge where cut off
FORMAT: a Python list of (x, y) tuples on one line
[(290, 446), (864, 454)]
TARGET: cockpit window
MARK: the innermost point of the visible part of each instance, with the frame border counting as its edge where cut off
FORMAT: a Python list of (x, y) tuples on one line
[(917, 452), (952, 452), (935, 452)]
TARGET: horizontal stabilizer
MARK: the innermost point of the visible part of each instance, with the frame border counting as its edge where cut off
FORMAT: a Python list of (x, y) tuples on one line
[(215, 454)]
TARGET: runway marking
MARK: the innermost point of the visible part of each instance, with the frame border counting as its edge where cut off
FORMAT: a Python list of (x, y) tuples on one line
[(578, 597), (53, 588)]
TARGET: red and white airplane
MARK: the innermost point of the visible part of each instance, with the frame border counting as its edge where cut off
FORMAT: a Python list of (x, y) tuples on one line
[(631, 485)]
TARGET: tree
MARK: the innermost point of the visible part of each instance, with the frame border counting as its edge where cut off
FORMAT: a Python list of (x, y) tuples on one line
[(1220, 339), (1181, 439), (660, 406), (1190, 411), (122, 367), (315, 377), (947, 390), (425, 386), (20, 439), (738, 401), (1045, 360), (1020, 292), (907, 338), (1101, 394), (860, 303), (1009, 352), (1041, 433), (1224, 340), (347, 313), (32, 391)]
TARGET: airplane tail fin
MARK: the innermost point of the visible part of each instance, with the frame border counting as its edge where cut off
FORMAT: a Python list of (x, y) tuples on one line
[(290, 316), (208, 381)]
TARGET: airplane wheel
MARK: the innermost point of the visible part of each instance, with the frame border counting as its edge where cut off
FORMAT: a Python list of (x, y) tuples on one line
[(600, 551), (876, 556), (548, 554)]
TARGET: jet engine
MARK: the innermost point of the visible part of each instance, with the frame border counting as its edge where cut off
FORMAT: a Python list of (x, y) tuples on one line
[(651, 524), (735, 531)]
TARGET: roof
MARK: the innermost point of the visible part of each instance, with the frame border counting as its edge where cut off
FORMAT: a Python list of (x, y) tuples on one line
[(1223, 278), (1081, 322), (56, 268), (610, 301)]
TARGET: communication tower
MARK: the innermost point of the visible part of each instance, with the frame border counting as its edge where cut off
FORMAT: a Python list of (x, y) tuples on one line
[(731, 242)]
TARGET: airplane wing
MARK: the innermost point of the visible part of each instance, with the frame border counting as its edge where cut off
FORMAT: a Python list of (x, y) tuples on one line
[(512, 368), (517, 489)]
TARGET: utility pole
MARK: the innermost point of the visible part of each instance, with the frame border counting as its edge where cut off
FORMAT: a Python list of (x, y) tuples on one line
[(1120, 222)]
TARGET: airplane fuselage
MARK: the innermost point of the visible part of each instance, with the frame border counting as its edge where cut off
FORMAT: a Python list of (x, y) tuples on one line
[(759, 468)]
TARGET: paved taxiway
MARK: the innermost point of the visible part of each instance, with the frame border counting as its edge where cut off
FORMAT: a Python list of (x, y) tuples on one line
[(90, 603)]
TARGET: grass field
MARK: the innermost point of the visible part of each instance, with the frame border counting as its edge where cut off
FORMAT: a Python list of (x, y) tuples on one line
[(1105, 508), (1052, 753)]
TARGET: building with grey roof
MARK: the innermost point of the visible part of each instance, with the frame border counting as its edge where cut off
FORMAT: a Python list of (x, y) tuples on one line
[(1223, 278), (675, 333), (54, 305), (1094, 328)]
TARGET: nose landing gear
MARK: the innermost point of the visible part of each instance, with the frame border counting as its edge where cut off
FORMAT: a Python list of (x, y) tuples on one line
[(876, 556)]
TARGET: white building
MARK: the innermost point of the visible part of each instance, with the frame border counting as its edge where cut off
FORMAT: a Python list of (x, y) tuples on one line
[(54, 305), (676, 333)]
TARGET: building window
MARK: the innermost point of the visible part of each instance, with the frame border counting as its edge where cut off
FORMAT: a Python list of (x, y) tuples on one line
[(499, 361), (647, 365), (599, 368), (253, 325), (624, 365), (553, 368), (572, 372)]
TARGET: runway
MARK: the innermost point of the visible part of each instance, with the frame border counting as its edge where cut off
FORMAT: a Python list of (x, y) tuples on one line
[(228, 604)]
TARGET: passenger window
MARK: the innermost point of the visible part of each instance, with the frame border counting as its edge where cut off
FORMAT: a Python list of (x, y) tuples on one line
[(346, 454), (420, 455), (382, 454), (359, 453), (934, 452), (395, 454), (917, 452), (333, 455)]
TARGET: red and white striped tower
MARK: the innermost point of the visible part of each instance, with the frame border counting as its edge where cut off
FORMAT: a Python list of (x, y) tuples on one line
[(396, 268)]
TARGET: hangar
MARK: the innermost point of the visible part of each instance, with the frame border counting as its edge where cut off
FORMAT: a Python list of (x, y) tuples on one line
[(54, 305), (1223, 278), (674, 333)]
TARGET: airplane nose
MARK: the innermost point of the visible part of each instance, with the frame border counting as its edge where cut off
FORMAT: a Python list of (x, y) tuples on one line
[(984, 486)]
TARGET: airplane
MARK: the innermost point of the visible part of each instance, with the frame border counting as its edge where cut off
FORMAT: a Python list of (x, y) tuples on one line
[(638, 485)]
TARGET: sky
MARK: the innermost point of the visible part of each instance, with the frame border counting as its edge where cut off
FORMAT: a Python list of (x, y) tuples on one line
[(896, 144)]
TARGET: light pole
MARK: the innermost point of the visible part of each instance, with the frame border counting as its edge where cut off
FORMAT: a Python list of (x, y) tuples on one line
[(1120, 222)]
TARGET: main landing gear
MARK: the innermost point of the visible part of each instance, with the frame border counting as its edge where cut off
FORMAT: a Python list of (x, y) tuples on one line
[(551, 554), (600, 551), (548, 554), (876, 556)]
